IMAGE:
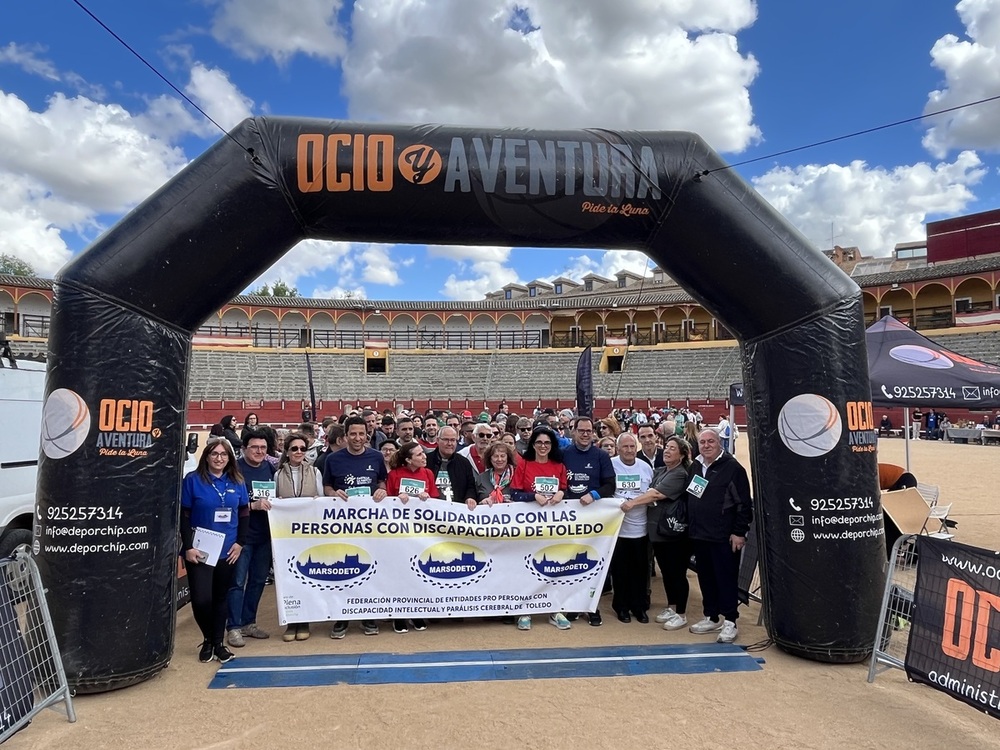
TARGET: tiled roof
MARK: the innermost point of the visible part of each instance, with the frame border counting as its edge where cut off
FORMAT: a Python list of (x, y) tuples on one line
[(32, 282), (941, 270)]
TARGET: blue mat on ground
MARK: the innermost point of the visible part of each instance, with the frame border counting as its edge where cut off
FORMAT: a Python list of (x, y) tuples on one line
[(476, 666)]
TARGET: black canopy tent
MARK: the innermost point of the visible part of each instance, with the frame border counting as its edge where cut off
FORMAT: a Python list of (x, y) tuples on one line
[(908, 369)]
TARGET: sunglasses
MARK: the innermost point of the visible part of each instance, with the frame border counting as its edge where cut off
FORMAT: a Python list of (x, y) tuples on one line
[(297, 449)]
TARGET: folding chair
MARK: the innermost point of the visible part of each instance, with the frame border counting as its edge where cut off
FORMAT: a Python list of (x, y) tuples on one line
[(930, 493), (939, 514)]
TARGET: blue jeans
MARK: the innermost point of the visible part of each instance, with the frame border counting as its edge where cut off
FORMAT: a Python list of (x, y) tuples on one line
[(249, 577)]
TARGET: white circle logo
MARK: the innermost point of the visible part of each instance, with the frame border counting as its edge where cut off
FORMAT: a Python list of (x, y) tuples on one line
[(798, 535), (920, 356), (65, 423), (809, 425)]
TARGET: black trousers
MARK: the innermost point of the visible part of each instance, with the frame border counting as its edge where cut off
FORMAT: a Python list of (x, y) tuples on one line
[(672, 556), (630, 570), (718, 574), (209, 586)]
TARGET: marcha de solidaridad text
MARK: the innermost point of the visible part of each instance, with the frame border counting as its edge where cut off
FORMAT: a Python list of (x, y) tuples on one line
[(417, 520)]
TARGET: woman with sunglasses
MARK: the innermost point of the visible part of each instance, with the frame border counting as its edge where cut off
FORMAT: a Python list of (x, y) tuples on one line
[(296, 478), (540, 477), (213, 497)]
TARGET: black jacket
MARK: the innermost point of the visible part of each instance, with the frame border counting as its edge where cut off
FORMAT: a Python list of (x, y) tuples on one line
[(725, 507), (461, 473)]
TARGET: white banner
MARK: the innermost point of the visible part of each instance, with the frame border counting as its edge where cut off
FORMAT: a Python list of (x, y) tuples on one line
[(362, 560)]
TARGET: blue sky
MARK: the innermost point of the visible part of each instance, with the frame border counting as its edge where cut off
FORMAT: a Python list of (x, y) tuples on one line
[(87, 131)]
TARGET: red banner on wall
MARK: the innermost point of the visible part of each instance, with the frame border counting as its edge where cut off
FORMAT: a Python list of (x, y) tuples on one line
[(955, 635)]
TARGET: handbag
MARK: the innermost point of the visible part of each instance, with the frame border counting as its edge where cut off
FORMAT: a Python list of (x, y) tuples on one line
[(673, 521)]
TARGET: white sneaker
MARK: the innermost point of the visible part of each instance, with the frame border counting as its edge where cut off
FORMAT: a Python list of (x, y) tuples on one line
[(524, 622), (235, 638), (559, 620), (728, 633), (675, 622), (665, 614), (705, 625)]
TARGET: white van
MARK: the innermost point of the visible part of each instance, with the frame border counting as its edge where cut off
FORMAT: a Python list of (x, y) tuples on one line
[(21, 392)]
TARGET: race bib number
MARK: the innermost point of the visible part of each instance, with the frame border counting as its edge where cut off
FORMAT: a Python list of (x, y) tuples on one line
[(697, 486), (359, 492), (412, 486), (546, 485), (262, 491), (627, 482)]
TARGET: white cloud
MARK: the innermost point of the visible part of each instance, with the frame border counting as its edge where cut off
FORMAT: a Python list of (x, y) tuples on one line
[(26, 58), (28, 223), (339, 292), (871, 208), (63, 167), (308, 258), (608, 263), (482, 269), (280, 30), (85, 152), (631, 64), (971, 69), (379, 268), (211, 89)]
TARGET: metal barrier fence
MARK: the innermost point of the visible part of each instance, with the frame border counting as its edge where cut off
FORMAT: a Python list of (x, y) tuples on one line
[(892, 636), (31, 670)]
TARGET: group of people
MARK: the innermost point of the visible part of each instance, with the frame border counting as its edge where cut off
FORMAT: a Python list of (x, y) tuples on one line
[(682, 494)]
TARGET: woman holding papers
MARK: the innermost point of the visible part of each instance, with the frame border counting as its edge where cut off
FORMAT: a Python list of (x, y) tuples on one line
[(215, 513), (296, 478), (408, 478)]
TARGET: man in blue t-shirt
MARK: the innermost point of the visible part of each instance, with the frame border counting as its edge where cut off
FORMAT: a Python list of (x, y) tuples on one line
[(589, 473), (254, 563), (357, 470)]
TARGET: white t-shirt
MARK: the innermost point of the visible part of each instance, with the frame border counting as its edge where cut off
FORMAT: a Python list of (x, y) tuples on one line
[(632, 481)]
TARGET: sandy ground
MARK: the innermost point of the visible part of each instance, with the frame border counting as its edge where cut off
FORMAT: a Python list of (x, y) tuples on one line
[(792, 703)]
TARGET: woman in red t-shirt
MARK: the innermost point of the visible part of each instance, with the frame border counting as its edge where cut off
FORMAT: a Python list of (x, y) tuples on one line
[(410, 463), (540, 477), (408, 478)]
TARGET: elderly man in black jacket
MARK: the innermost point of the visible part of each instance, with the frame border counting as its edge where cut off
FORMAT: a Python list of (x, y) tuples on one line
[(456, 480), (720, 511)]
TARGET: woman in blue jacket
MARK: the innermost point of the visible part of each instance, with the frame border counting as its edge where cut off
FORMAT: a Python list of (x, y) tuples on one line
[(213, 497)]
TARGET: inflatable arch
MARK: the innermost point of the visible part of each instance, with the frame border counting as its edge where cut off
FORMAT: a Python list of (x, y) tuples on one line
[(126, 309)]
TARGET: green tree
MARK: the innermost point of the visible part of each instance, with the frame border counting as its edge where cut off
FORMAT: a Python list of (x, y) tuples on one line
[(280, 289), (14, 266)]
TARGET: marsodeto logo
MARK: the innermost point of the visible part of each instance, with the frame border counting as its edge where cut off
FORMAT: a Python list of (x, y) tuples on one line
[(333, 566), (451, 565), (564, 563), (809, 425), (65, 423)]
